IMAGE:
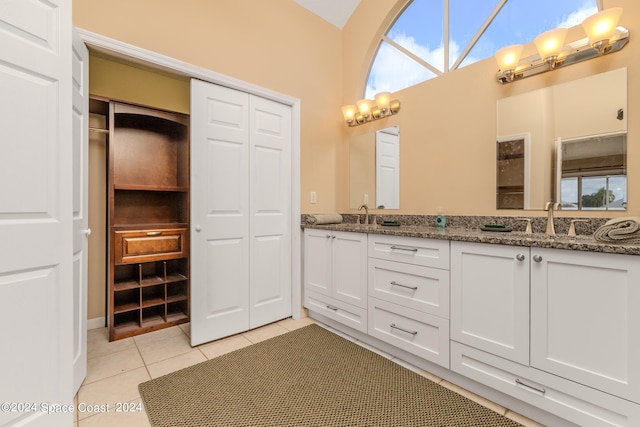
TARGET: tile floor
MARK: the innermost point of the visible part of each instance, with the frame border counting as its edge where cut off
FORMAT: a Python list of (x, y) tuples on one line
[(114, 369)]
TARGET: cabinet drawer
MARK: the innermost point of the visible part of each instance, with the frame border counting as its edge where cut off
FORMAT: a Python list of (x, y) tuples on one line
[(421, 288), (412, 250), (579, 404), (354, 317), (149, 245), (418, 333)]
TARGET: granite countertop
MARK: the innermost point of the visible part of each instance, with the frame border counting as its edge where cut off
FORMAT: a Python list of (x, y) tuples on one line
[(474, 234)]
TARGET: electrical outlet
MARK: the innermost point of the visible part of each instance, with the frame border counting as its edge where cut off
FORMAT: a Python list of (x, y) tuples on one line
[(366, 199), (313, 197)]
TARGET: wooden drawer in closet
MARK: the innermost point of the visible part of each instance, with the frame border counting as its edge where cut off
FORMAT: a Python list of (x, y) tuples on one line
[(132, 246)]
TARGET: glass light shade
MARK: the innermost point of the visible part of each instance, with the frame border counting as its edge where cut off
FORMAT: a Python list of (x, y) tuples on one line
[(349, 112), (550, 43), (508, 57), (602, 25), (382, 100), (364, 106)]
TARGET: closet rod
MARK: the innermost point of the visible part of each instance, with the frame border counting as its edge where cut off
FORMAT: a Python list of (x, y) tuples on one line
[(98, 130)]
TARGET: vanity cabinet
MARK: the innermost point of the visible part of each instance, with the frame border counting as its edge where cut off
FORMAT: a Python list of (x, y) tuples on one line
[(577, 358), (409, 295), (335, 276), (585, 319), (490, 298)]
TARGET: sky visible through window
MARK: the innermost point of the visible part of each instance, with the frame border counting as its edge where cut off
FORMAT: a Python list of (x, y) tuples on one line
[(420, 31)]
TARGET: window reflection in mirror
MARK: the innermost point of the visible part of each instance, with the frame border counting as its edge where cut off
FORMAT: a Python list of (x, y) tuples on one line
[(374, 169), (592, 173)]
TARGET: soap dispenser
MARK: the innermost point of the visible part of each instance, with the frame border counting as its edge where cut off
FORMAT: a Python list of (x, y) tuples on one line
[(441, 221)]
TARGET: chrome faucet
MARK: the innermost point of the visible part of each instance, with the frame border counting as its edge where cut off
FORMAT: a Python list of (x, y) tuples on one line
[(366, 215), (550, 207)]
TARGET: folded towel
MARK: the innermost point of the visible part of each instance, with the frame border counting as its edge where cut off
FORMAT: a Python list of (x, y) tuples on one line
[(619, 230), (320, 219)]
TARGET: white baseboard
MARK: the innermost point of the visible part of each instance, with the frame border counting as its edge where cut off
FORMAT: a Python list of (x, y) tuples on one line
[(96, 323)]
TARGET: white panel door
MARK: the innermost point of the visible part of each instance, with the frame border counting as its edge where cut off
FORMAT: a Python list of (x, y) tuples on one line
[(81, 231), (36, 228), (270, 211), (490, 298), (219, 212), (388, 168), (585, 321)]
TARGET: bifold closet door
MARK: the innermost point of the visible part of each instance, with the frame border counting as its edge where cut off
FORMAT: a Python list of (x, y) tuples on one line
[(36, 225), (240, 212)]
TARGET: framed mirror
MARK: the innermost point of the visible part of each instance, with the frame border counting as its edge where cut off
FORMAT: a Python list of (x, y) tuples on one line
[(582, 109), (374, 169)]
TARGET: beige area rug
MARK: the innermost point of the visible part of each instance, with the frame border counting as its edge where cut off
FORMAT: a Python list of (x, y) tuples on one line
[(308, 377)]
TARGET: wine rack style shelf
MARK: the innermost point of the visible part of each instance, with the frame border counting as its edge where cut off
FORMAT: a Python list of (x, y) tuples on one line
[(148, 210)]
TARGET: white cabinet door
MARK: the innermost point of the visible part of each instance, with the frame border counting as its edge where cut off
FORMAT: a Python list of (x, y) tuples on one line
[(36, 225), (81, 229), (349, 267), (335, 265), (585, 318), (317, 261), (490, 298)]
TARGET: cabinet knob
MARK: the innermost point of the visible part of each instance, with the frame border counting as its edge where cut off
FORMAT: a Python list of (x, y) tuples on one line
[(520, 257), (198, 228), (328, 236), (537, 258)]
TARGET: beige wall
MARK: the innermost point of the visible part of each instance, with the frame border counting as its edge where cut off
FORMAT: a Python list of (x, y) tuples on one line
[(275, 44), (448, 124)]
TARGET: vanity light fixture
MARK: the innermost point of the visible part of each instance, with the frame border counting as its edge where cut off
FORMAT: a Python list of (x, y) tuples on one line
[(367, 110), (604, 36)]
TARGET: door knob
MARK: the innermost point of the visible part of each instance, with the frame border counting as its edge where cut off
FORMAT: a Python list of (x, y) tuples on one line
[(198, 228), (87, 232)]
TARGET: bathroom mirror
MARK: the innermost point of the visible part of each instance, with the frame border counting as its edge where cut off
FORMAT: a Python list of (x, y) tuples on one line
[(374, 169), (572, 111)]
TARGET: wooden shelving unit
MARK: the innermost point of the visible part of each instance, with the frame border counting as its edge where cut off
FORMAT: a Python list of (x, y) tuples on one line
[(148, 216)]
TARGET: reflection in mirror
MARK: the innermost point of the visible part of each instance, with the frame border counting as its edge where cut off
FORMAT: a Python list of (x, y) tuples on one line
[(374, 169), (576, 110), (513, 172), (592, 173)]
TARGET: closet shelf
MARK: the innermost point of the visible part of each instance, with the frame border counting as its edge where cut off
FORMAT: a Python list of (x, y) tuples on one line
[(142, 187)]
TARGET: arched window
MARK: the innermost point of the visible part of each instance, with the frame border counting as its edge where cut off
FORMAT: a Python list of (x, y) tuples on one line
[(432, 37)]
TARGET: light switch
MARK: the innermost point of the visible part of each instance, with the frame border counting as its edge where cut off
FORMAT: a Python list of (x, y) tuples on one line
[(313, 197)]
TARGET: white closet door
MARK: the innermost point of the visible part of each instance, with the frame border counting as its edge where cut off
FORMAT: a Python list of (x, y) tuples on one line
[(36, 228), (80, 86), (219, 212), (270, 207)]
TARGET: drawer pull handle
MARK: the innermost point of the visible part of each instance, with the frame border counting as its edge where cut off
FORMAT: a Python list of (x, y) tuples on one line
[(413, 288), (539, 390), (393, 326), (401, 248), (330, 307), (154, 233)]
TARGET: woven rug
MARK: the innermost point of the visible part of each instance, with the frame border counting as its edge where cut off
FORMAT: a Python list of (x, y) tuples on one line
[(308, 377)]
